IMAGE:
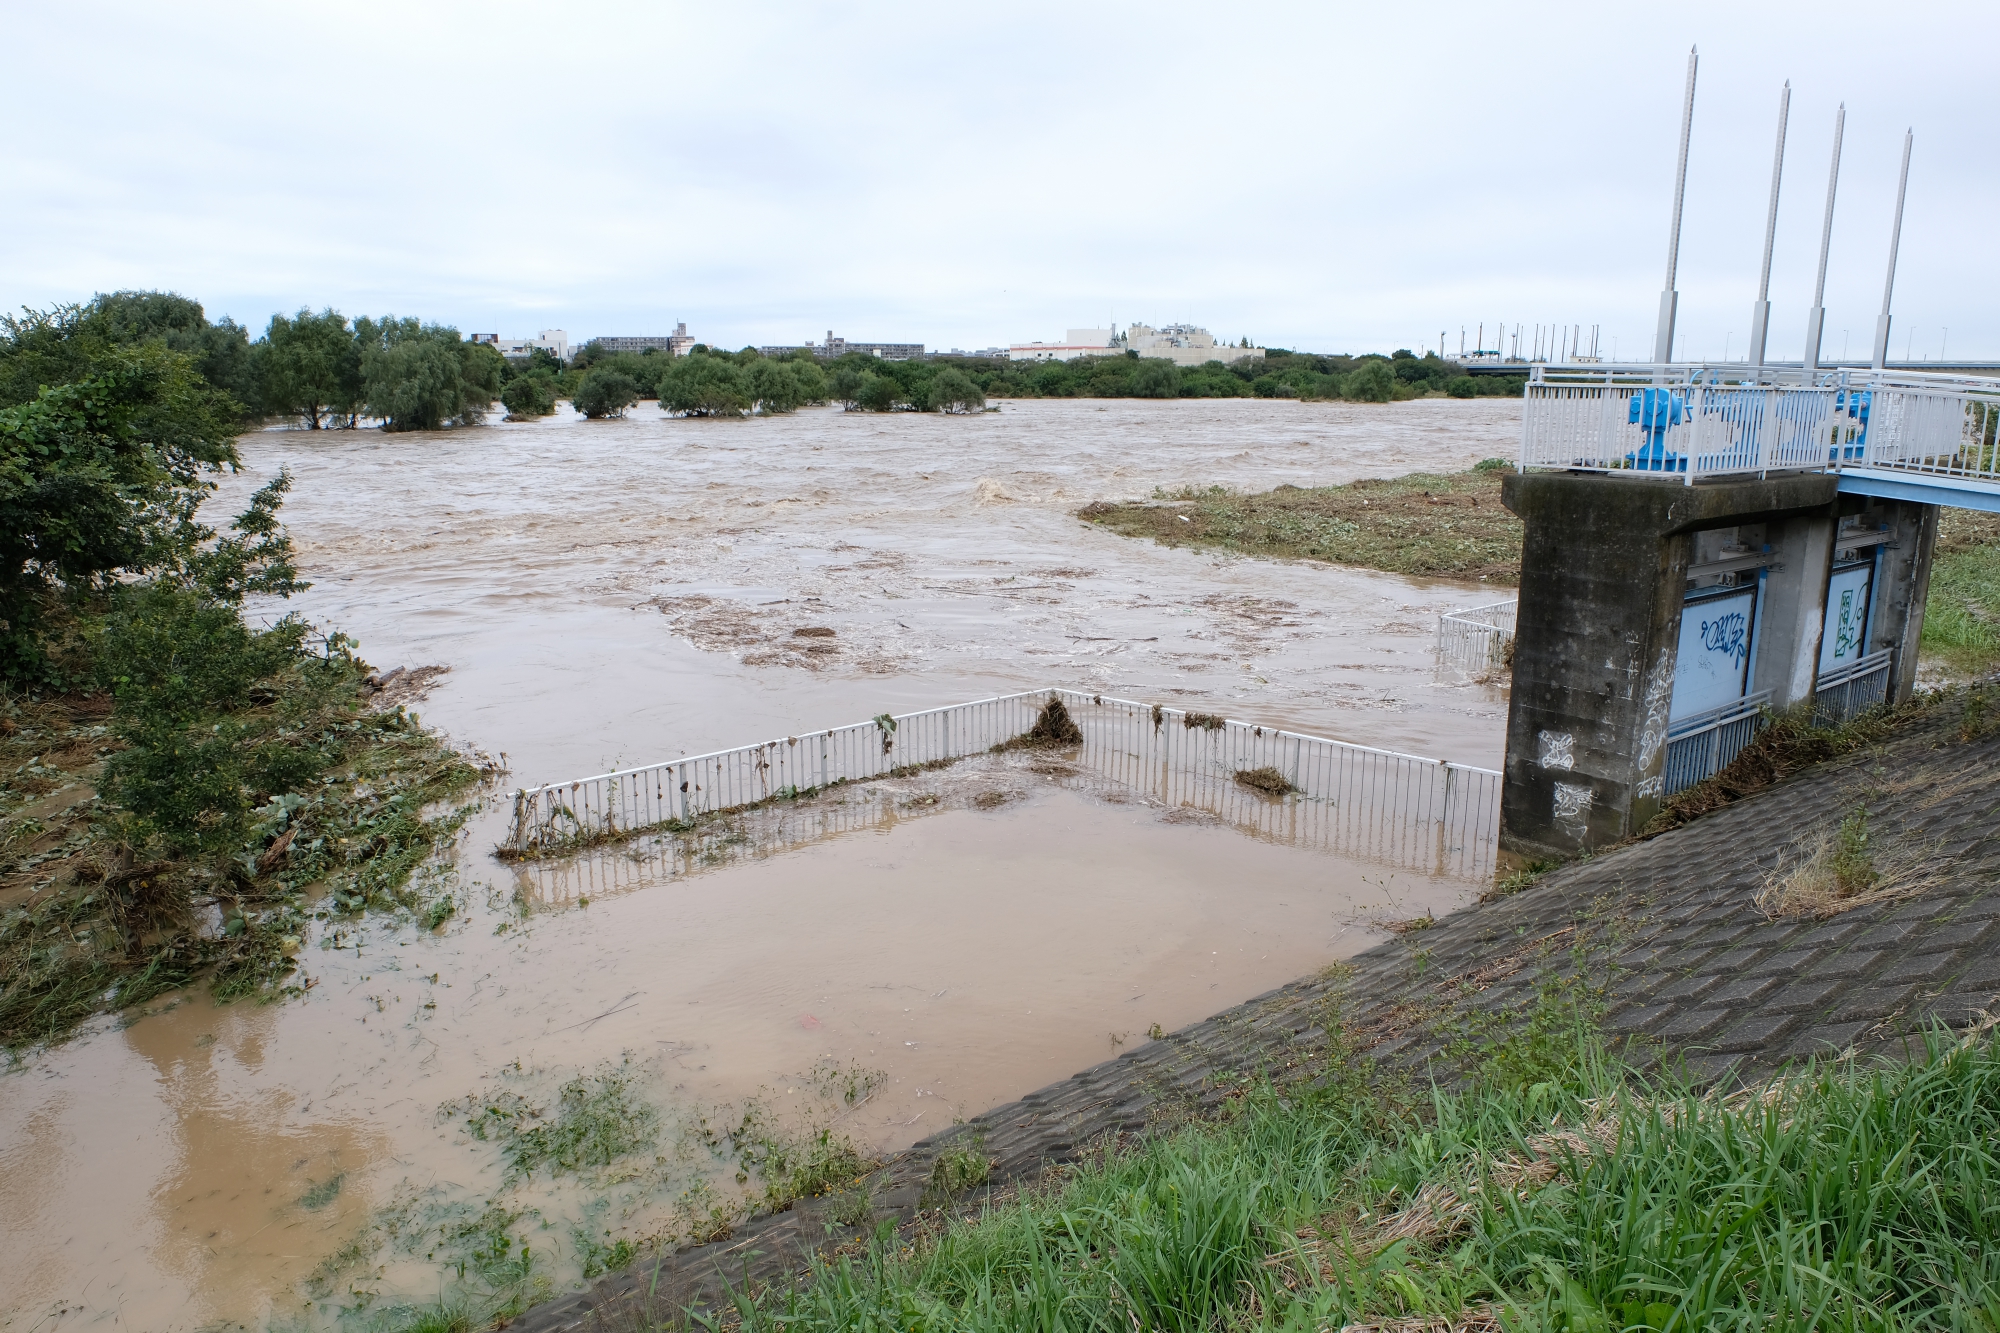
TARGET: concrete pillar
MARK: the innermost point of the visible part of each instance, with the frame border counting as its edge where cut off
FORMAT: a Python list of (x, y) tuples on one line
[(1603, 579), (1794, 607)]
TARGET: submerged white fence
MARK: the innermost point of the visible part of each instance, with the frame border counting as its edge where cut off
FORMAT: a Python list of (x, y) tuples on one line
[(1691, 421), (1475, 640), (1427, 815)]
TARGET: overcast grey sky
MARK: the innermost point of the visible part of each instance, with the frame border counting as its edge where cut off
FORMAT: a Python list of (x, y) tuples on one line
[(1329, 177)]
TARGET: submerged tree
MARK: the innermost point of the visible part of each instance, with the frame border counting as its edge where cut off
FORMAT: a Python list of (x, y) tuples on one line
[(311, 369), (604, 392), (424, 376), (700, 385), (786, 386), (954, 391), (530, 395)]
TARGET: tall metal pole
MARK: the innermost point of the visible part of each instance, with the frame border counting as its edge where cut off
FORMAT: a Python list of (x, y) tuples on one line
[(1760, 314), (1663, 341), (1816, 317), (1895, 240)]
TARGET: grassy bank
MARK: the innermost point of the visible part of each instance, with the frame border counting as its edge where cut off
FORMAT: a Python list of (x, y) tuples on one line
[(1426, 525), (1567, 1193), (1962, 614), (147, 846)]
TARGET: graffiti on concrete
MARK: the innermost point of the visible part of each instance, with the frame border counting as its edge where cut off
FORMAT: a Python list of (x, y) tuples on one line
[(1558, 750)]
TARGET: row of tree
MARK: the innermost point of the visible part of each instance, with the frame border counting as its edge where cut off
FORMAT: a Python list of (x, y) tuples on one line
[(325, 370), (862, 382), (713, 383)]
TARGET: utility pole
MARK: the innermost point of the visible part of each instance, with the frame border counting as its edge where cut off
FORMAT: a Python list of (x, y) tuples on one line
[(1663, 341), (1816, 317), (1760, 314), (1895, 240)]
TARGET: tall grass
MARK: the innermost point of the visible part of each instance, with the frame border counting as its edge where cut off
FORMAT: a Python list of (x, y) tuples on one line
[(1962, 612), (1848, 1196)]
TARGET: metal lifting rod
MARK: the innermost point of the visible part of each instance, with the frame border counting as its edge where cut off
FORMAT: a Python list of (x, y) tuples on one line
[(1663, 342), (1760, 314), (1895, 240), (1816, 317)]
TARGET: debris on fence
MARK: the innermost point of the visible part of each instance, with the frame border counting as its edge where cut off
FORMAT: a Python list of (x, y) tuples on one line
[(1267, 780)]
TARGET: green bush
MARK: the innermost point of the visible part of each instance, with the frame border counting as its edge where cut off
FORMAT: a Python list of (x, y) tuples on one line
[(1462, 386), (604, 393), (954, 391), (1154, 377), (1371, 382), (786, 386), (880, 393), (529, 395), (700, 385)]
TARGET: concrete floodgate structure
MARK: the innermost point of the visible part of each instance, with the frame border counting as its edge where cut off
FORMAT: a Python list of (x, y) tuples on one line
[(1657, 620)]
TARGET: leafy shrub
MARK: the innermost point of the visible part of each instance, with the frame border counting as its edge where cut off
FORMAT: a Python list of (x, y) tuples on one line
[(1462, 386), (529, 396), (786, 386), (1156, 377), (604, 393), (699, 385), (880, 393), (1371, 382), (954, 391)]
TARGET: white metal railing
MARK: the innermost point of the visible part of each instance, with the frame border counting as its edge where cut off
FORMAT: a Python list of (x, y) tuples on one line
[(1475, 640), (1703, 744), (1693, 421), (1423, 814), (1848, 690)]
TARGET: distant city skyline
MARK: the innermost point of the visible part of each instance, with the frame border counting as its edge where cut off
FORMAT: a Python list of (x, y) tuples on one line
[(765, 173)]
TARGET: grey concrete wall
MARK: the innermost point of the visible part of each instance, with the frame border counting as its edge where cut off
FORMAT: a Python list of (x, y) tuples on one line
[(1603, 578), (1794, 607)]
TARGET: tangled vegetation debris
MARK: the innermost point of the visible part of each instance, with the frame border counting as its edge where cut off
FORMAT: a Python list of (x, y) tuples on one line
[(1267, 780), (1428, 525)]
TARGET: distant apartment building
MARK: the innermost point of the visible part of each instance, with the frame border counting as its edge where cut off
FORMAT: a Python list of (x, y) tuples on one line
[(837, 347), (553, 341), (676, 343)]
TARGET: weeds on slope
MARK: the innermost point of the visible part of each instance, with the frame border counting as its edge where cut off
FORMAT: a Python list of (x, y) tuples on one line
[(1848, 1195)]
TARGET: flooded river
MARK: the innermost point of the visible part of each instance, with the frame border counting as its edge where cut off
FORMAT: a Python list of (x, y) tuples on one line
[(609, 593)]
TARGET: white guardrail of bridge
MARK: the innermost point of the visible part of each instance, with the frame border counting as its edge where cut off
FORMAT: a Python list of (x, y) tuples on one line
[(1427, 815), (1692, 421)]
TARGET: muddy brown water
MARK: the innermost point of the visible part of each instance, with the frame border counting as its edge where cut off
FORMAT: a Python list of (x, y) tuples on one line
[(622, 592)]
